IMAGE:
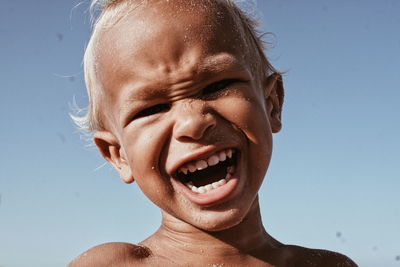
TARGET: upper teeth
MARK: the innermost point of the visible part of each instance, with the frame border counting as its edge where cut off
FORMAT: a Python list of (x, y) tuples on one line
[(204, 163)]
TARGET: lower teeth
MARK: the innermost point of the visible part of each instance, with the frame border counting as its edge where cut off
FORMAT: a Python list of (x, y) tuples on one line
[(209, 187)]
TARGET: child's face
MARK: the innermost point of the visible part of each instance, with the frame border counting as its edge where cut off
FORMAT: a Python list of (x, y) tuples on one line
[(178, 89)]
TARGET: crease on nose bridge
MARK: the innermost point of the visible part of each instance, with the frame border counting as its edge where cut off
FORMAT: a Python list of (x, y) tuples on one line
[(191, 105)]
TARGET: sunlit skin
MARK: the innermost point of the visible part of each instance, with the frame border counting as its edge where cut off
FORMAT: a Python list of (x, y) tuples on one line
[(178, 86)]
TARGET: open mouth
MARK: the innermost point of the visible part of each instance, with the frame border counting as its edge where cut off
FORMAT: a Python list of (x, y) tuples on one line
[(205, 175)]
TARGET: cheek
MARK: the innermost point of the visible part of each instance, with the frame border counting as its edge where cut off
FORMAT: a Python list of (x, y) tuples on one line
[(143, 143), (247, 113), (249, 116), (139, 150), (143, 148)]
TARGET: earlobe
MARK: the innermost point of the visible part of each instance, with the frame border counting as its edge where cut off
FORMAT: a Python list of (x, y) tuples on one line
[(111, 150), (274, 95), (125, 171)]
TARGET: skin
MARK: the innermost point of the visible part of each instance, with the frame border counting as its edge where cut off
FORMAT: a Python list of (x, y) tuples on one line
[(161, 113)]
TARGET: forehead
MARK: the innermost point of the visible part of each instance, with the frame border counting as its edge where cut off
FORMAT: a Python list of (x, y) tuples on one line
[(203, 19), (163, 35)]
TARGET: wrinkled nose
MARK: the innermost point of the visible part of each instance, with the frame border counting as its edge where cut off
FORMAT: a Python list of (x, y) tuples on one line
[(193, 121)]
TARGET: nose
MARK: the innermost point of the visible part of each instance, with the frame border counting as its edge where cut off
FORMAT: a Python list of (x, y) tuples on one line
[(193, 121)]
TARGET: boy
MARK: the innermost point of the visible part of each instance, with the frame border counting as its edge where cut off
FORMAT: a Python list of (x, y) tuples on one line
[(184, 102)]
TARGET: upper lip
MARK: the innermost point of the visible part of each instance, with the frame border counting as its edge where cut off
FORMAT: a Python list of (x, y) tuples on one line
[(202, 153)]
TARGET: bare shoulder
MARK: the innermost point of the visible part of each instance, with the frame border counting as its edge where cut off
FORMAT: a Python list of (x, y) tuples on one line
[(301, 256), (112, 254)]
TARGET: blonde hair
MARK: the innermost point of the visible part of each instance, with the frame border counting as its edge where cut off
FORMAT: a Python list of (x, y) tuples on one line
[(104, 10)]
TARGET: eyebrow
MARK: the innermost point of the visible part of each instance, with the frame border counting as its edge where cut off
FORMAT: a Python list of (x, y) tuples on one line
[(213, 66), (220, 63)]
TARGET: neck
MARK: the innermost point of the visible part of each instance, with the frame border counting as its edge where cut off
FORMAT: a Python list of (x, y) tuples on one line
[(247, 239)]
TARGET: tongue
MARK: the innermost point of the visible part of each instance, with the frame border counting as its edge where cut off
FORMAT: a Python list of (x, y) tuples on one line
[(208, 175)]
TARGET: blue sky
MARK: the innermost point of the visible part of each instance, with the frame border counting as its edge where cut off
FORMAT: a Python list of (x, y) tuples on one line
[(333, 182)]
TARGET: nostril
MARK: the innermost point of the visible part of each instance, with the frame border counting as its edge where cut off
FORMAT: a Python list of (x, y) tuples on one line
[(193, 126)]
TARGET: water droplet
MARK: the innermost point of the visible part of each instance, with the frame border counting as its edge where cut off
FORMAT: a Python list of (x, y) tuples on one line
[(60, 37)]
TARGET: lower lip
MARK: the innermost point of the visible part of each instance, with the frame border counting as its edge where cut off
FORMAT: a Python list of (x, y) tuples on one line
[(214, 196)]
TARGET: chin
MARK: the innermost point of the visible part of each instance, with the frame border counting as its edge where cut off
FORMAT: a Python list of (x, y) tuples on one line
[(219, 221)]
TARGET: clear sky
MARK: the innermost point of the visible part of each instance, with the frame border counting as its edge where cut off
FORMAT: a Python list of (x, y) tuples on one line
[(334, 179)]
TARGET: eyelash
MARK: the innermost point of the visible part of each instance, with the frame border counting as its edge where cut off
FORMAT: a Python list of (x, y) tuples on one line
[(218, 86), (208, 90), (152, 110)]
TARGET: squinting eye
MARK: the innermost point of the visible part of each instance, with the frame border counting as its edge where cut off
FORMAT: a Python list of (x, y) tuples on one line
[(218, 86), (152, 110)]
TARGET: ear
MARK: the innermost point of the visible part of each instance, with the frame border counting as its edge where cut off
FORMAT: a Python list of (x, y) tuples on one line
[(109, 147), (274, 94)]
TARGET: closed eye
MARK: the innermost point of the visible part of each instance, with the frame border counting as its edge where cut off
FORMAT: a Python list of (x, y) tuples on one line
[(152, 110), (218, 86)]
